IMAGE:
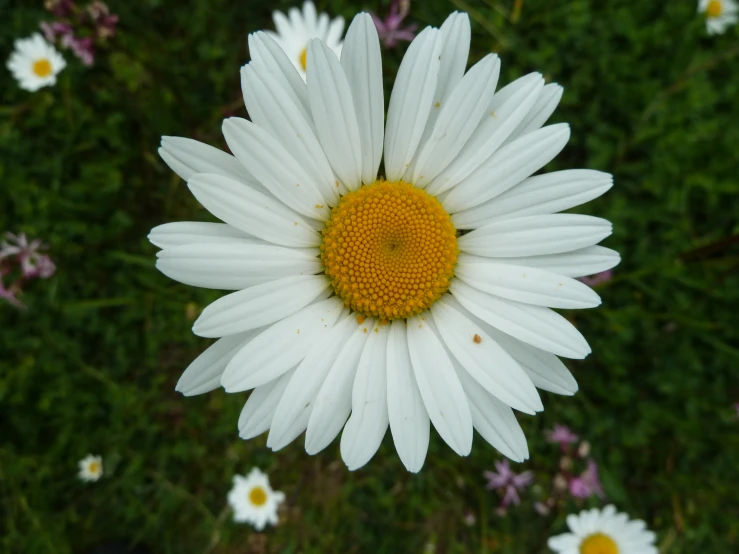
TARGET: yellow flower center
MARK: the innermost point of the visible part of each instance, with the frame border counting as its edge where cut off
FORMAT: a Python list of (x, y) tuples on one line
[(42, 67), (389, 249), (94, 468), (258, 496), (303, 58), (714, 8), (598, 543)]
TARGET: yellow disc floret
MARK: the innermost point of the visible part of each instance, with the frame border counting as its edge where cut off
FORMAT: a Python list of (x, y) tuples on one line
[(258, 496), (598, 543), (42, 67), (389, 249), (303, 59), (714, 8)]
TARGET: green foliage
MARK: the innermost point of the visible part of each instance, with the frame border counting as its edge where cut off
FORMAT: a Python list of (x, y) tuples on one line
[(91, 365)]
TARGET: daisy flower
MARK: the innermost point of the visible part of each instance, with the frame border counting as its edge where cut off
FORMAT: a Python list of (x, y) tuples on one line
[(295, 30), (420, 296), (90, 468), (720, 15), (604, 532), (35, 63), (253, 500)]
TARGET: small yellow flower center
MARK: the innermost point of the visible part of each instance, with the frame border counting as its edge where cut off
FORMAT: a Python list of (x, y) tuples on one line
[(303, 58), (42, 67), (258, 496), (389, 249), (598, 543), (94, 468), (714, 8)]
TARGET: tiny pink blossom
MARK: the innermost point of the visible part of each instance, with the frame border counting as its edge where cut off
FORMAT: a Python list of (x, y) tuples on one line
[(10, 293), (389, 29), (102, 19), (55, 29), (588, 483), (509, 482), (82, 48), (597, 279), (561, 435)]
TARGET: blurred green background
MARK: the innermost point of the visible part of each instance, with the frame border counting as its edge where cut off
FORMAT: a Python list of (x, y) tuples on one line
[(91, 365)]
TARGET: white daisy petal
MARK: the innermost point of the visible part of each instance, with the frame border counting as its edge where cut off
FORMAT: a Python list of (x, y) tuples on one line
[(564, 543), (410, 101), (333, 111), (169, 235), (481, 356), (251, 211), (186, 157), (233, 266), (259, 305), (272, 109), (362, 63), (334, 401), (275, 168), (539, 195), (457, 120), (333, 36), (535, 235), (281, 346), (204, 373), (544, 107), (493, 419), (525, 284), (577, 263), (442, 393), (409, 421), (534, 325), (366, 427), (293, 411), (508, 167), (506, 110), (257, 414), (456, 33)]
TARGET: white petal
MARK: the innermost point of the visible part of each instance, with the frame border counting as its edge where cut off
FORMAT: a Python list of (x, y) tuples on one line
[(204, 373), (272, 109), (281, 346), (494, 420), (333, 112), (506, 110), (266, 52), (257, 414), (259, 305), (409, 421), (366, 427), (535, 235), (546, 103), (362, 64), (456, 34), (294, 409), (334, 400), (179, 233), (508, 167), (457, 121), (234, 266), (525, 284), (410, 101), (275, 168), (534, 325), (251, 211), (439, 385), (485, 360), (186, 157)]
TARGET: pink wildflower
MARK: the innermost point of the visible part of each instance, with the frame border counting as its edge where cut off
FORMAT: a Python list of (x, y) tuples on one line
[(588, 483), (55, 29), (82, 48), (16, 250), (389, 29), (508, 482), (103, 21), (561, 435), (11, 293), (598, 278)]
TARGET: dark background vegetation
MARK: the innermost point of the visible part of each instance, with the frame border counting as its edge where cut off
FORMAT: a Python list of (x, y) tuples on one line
[(91, 365)]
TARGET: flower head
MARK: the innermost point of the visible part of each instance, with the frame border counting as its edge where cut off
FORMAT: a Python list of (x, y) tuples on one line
[(35, 63), (389, 29), (720, 15), (90, 468), (357, 305), (253, 500), (508, 482), (81, 47), (296, 29), (103, 21), (588, 483), (562, 435), (604, 532), (33, 263)]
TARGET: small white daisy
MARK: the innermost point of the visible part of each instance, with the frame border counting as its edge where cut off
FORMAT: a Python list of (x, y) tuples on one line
[(720, 15), (422, 296), (35, 63), (91, 468), (604, 532), (253, 500), (295, 30)]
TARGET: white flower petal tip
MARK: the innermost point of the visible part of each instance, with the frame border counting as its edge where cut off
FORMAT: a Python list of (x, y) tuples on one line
[(180, 233), (259, 410), (186, 157)]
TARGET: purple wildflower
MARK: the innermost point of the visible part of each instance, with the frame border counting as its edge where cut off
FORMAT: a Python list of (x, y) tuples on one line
[(60, 8), (16, 250), (103, 21), (588, 483), (55, 29), (508, 482), (561, 435), (597, 279), (389, 29), (82, 48), (11, 293)]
